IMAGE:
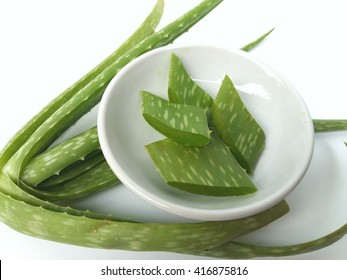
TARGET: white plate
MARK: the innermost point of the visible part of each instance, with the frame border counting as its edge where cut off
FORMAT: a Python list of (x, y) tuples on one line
[(272, 100)]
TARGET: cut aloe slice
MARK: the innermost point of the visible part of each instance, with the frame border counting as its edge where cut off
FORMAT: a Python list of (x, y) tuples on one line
[(185, 124), (182, 89), (237, 127), (209, 170)]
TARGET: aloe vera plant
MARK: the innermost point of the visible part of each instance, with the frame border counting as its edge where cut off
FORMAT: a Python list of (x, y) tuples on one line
[(25, 212), (208, 170), (98, 230), (236, 126), (183, 123)]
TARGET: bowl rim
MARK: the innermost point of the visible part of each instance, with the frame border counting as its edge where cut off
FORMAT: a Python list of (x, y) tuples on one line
[(186, 210)]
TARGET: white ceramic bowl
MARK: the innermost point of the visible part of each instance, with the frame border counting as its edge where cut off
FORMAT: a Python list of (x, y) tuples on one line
[(272, 100)]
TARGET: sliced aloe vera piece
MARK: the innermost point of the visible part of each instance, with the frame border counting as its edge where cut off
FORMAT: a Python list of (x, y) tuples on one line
[(209, 170), (183, 89), (183, 123), (237, 127)]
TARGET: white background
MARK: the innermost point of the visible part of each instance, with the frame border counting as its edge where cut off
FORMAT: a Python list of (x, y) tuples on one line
[(47, 45)]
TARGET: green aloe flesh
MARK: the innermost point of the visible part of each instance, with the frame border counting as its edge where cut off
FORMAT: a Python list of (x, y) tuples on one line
[(208, 170), (183, 123), (236, 126), (183, 89)]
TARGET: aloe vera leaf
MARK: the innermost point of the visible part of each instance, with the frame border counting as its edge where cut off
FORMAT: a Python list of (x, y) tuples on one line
[(183, 123), (48, 132), (81, 230), (58, 157), (208, 170), (237, 127), (90, 95), (24, 195), (183, 89), (74, 170), (96, 179), (256, 42), (329, 125), (238, 250), (144, 30), (46, 217)]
